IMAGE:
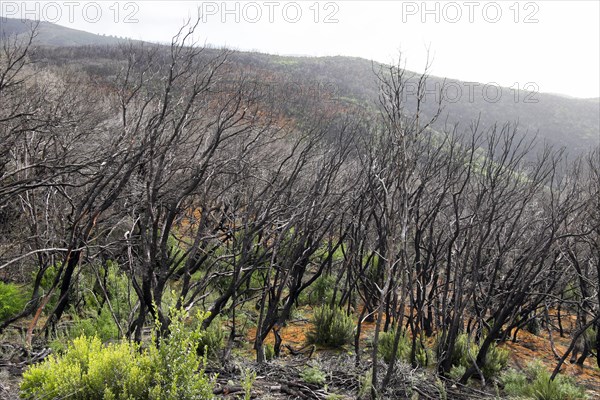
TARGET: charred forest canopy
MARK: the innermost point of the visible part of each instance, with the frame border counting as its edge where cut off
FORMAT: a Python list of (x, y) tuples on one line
[(136, 176)]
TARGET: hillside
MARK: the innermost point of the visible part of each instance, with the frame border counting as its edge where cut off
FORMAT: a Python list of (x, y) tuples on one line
[(569, 122), (186, 222), (49, 34), (559, 120)]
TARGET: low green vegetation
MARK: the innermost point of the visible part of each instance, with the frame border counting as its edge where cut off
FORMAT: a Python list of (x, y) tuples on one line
[(465, 352), (314, 375), (211, 341), (12, 300), (269, 352), (332, 327), (321, 291), (386, 346), (248, 379), (90, 370), (101, 325), (536, 384)]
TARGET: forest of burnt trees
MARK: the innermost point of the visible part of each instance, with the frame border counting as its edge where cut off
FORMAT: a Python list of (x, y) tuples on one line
[(177, 181)]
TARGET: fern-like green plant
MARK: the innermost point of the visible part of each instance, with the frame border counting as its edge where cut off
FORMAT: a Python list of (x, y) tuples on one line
[(495, 361), (248, 379)]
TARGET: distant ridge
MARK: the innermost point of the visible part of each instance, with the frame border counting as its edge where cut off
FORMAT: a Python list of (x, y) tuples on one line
[(560, 120), (49, 34)]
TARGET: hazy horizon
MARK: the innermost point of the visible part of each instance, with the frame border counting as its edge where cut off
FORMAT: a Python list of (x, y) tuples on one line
[(544, 46)]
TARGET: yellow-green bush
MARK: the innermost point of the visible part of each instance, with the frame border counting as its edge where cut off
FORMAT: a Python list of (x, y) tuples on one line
[(90, 370), (179, 374), (12, 300)]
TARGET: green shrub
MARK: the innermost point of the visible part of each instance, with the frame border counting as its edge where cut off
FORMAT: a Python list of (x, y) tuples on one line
[(89, 370), (495, 361), (211, 341), (385, 346), (365, 383), (179, 374), (456, 372), (465, 352), (514, 382), (536, 384), (92, 314), (441, 388), (296, 313), (423, 356), (332, 327), (118, 286), (103, 326), (321, 291), (48, 277), (248, 379), (269, 352), (12, 300), (313, 375)]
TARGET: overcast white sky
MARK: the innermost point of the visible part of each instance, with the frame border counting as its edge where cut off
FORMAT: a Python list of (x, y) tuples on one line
[(553, 46)]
